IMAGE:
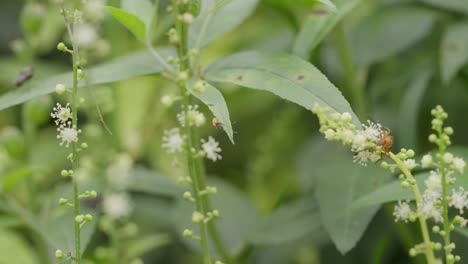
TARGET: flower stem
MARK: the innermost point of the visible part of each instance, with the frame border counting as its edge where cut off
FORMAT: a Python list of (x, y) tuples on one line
[(422, 221), (182, 52), (444, 197), (74, 158)]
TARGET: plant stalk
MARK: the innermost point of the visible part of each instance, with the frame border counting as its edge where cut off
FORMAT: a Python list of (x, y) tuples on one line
[(418, 198)]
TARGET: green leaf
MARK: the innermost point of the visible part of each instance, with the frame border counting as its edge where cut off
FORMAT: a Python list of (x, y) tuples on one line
[(329, 4), (55, 223), (238, 218), (208, 26), (142, 9), (130, 21), (395, 28), (212, 98), (337, 181), (317, 25), (142, 245), (288, 223), (287, 76), (13, 177), (409, 109), (147, 181), (451, 5), (453, 50), (15, 249), (122, 68)]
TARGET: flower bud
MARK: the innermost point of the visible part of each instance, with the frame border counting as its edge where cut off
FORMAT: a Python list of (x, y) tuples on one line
[(60, 88), (59, 254)]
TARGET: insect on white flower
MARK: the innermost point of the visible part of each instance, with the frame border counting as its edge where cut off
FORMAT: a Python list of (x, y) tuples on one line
[(402, 211), (67, 134), (211, 149), (61, 114), (173, 141)]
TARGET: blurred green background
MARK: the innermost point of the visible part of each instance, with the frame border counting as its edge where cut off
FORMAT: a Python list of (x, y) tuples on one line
[(393, 60)]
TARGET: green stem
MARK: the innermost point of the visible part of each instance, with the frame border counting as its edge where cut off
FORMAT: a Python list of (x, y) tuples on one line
[(74, 158), (443, 173), (418, 198), (196, 186), (356, 91)]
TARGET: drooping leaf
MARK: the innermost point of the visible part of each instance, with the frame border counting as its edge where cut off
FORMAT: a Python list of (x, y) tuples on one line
[(130, 21), (451, 5), (145, 180), (409, 109), (212, 98), (317, 25), (142, 9), (122, 68), (337, 181), (395, 28), (287, 76), (288, 223), (453, 50), (210, 25), (238, 218)]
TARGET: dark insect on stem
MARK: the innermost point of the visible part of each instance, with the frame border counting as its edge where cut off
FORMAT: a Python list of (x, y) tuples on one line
[(25, 75)]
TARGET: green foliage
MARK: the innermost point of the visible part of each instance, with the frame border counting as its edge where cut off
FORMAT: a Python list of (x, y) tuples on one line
[(317, 25), (454, 53), (130, 21), (284, 75), (214, 100)]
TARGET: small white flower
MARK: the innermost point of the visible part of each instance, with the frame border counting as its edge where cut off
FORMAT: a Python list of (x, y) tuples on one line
[(329, 134), (362, 157), (448, 157), (346, 117), (347, 136), (117, 205), (373, 131), (67, 134), (86, 35), (199, 119), (188, 18), (459, 199), (60, 88), (61, 113), (173, 141), (410, 164), (193, 118), (459, 164), (167, 100), (434, 181), (426, 161), (402, 211), (359, 142), (211, 149), (430, 210)]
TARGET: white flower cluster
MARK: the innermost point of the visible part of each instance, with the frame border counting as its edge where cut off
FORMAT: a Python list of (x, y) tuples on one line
[(66, 132), (365, 142), (174, 141), (117, 205), (193, 117)]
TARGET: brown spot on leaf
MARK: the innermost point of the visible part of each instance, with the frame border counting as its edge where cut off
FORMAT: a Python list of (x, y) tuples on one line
[(239, 78), (320, 12), (300, 77)]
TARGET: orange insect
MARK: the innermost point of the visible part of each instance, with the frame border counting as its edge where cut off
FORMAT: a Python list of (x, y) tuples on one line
[(386, 141), (217, 124)]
